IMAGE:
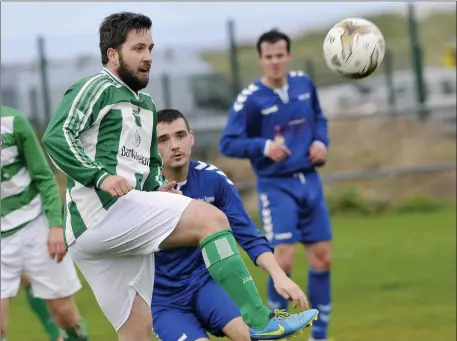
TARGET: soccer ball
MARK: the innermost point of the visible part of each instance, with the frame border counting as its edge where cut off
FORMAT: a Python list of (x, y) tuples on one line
[(354, 48)]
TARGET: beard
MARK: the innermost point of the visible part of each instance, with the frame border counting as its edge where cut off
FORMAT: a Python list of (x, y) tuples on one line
[(128, 76)]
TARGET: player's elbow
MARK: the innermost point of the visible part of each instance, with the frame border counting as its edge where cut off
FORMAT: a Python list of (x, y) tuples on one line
[(224, 147)]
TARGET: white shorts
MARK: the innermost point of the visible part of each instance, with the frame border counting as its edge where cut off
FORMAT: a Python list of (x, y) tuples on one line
[(26, 251), (116, 256)]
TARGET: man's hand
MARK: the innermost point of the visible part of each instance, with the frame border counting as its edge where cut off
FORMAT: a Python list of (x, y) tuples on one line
[(115, 185), (290, 291), (56, 243), (317, 152), (277, 152), (169, 187)]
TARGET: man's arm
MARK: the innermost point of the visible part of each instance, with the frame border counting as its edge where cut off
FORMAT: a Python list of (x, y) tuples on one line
[(254, 243), (75, 114), (238, 139), (321, 129), (39, 170), (244, 229)]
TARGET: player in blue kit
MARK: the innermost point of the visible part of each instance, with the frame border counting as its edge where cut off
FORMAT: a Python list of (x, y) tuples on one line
[(186, 301), (277, 123)]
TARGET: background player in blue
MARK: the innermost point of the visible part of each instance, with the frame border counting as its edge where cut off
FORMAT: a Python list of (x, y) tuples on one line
[(277, 123), (186, 301)]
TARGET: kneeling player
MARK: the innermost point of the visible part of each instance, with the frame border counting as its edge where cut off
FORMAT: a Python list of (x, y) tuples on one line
[(187, 302)]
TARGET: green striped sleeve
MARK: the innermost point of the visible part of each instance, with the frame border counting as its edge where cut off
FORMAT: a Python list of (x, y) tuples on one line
[(77, 111), (39, 170)]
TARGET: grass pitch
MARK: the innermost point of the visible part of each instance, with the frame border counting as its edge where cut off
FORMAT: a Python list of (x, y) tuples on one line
[(394, 279)]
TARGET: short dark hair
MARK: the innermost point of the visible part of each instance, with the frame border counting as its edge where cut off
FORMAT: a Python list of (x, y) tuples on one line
[(171, 115), (114, 29), (272, 37)]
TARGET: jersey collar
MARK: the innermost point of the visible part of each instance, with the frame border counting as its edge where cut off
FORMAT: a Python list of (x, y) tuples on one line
[(119, 81)]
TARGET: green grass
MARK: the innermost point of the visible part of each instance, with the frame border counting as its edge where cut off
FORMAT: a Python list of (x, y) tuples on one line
[(394, 279), (435, 32)]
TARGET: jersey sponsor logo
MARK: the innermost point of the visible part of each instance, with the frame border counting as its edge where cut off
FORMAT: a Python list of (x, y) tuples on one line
[(304, 97), (133, 154), (208, 200), (270, 110), (136, 115), (137, 139)]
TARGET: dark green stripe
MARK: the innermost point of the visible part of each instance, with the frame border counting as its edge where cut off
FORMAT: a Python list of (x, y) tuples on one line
[(8, 140), (19, 200), (4, 234), (108, 140), (77, 224), (11, 170)]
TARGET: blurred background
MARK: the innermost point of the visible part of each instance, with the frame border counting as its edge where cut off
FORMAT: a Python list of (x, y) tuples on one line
[(391, 174)]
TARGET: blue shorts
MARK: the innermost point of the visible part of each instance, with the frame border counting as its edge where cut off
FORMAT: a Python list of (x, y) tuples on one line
[(293, 209), (208, 309)]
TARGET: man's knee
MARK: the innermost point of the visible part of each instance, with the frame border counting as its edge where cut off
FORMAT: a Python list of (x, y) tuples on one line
[(64, 312), (204, 219), (320, 255), (138, 326), (284, 255)]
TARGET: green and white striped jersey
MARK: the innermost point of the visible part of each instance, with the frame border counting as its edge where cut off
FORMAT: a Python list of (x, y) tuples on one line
[(102, 128), (28, 184)]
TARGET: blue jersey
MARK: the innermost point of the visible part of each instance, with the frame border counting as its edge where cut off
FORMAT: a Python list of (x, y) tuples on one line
[(181, 271), (261, 113)]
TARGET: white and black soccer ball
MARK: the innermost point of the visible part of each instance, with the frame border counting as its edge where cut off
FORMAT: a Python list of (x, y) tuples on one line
[(354, 48)]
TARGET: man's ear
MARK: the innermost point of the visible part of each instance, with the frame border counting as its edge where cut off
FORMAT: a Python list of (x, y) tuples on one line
[(113, 56), (192, 138)]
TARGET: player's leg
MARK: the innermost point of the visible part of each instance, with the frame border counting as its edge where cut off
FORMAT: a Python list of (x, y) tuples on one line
[(122, 287), (4, 305), (219, 314), (41, 310), (177, 323), (279, 215), (141, 223), (205, 225), (134, 327), (316, 234), (53, 282), (11, 269)]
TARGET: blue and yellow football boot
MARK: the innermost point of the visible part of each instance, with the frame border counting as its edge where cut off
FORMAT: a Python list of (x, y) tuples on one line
[(283, 324)]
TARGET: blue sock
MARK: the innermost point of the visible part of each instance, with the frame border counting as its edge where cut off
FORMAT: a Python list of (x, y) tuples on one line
[(319, 294), (275, 300)]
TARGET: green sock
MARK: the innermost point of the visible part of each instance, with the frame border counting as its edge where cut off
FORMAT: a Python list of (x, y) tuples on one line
[(77, 333), (40, 308), (225, 265)]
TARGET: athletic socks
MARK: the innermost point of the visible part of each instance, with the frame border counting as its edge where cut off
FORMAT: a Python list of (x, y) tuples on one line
[(275, 300), (77, 333), (225, 265), (40, 309), (319, 294)]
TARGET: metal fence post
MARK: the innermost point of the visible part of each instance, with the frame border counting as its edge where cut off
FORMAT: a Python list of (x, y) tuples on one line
[(165, 80), (389, 71), (416, 54), (44, 79), (310, 69), (233, 55)]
